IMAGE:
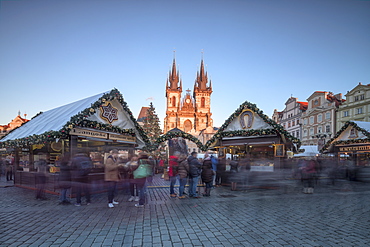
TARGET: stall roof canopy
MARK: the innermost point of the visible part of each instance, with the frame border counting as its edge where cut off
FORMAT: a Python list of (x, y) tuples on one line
[(247, 121), (72, 114), (352, 132)]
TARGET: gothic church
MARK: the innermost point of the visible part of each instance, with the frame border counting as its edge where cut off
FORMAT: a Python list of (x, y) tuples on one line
[(191, 113)]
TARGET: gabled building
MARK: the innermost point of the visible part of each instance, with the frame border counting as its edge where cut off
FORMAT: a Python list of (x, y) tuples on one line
[(290, 117), (356, 107), (319, 120), (15, 123), (142, 115)]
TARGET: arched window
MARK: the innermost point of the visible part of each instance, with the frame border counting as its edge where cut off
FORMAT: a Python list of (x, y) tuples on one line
[(187, 126), (202, 102), (173, 101)]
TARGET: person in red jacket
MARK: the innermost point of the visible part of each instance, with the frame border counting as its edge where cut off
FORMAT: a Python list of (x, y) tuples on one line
[(308, 174), (173, 167)]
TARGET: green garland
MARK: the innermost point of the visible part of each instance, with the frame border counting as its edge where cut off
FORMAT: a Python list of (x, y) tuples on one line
[(175, 134), (346, 142)]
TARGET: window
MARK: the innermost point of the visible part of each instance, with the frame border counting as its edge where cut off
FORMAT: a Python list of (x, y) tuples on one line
[(362, 96), (293, 122), (327, 128), (292, 133), (304, 132), (173, 101), (311, 132), (356, 98), (359, 110), (297, 134), (327, 115), (289, 124), (319, 118), (202, 102), (311, 120), (297, 121), (319, 129), (345, 114), (305, 121)]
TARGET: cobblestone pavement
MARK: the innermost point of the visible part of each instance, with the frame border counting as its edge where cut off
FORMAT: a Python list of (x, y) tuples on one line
[(274, 216)]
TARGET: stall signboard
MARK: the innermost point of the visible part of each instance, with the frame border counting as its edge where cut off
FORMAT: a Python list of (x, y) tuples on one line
[(354, 148), (88, 133), (117, 137)]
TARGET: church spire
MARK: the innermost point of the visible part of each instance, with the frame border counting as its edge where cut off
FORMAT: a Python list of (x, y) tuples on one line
[(202, 78), (173, 76)]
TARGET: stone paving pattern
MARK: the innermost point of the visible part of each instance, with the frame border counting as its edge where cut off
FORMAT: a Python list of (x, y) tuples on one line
[(283, 216)]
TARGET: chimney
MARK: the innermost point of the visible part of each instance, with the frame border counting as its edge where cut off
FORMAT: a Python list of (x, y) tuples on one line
[(338, 96)]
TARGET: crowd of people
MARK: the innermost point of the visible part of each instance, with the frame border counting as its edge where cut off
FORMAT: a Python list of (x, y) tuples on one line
[(186, 170)]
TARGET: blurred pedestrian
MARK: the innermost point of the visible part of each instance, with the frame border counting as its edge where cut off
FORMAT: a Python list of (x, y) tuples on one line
[(112, 176), (173, 167), (65, 179), (207, 175), (214, 168), (308, 175), (9, 168), (130, 167), (221, 168), (195, 169), (183, 172), (81, 167), (144, 164), (233, 176), (40, 179)]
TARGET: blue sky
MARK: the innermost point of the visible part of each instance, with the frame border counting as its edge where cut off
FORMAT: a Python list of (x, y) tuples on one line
[(56, 52)]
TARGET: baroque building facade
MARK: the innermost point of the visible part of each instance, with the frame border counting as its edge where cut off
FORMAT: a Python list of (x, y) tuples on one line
[(356, 107), (191, 113), (319, 120), (290, 117)]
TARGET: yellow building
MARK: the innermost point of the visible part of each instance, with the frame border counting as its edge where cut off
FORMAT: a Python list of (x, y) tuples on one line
[(356, 107)]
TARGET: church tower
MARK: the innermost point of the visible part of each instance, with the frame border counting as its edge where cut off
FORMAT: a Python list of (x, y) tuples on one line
[(173, 95), (202, 96)]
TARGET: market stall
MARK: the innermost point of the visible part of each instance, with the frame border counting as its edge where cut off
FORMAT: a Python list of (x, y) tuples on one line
[(256, 142), (94, 126)]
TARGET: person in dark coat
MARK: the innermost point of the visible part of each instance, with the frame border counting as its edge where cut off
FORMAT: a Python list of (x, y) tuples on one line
[(80, 176), (195, 169), (183, 171), (65, 178), (207, 175), (221, 168)]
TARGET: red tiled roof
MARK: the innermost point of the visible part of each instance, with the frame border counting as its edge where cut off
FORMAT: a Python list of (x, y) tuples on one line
[(143, 113), (303, 105)]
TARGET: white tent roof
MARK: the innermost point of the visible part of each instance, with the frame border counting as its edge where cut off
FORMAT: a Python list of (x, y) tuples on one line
[(308, 151), (53, 119), (363, 125)]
